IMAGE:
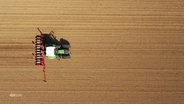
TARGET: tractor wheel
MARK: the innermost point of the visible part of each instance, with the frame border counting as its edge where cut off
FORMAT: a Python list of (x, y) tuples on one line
[(66, 46), (66, 56)]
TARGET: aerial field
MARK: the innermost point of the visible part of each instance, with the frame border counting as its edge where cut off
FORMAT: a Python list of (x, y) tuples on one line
[(123, 52)]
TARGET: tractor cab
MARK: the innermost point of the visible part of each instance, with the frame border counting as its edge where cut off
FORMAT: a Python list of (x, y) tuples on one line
[(56, 51), (50, 52)]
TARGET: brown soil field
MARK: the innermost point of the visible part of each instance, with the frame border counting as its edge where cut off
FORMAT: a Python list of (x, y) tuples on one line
[(123, 52)]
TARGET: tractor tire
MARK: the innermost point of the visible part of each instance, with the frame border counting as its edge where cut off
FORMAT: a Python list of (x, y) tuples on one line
[(66, 56), (67, 46)]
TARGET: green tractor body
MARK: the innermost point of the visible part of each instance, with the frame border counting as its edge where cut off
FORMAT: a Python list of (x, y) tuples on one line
[(53, 51)]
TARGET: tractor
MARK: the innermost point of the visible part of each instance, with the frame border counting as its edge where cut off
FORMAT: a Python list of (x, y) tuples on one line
[(47, 46)]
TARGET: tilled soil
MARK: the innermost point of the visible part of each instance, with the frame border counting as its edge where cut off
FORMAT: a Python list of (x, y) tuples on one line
[(123, 52)]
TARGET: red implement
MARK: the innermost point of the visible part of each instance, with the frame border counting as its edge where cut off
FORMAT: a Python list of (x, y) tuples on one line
[(39, 54)]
